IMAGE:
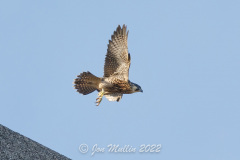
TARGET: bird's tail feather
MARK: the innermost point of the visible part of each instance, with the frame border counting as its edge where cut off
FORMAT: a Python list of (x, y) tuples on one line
[(86, 83)]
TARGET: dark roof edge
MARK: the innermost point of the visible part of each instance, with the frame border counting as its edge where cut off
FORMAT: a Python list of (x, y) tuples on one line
[(16, 146)]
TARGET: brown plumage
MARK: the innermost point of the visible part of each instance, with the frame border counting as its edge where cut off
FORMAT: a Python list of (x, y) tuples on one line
[(86, 83), (117, 61), (115, 81)]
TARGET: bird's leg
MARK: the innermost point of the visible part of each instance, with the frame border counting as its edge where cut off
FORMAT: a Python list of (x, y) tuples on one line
[(100, 96)]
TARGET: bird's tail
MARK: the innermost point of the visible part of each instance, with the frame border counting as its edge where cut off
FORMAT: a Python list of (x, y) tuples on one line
[(86, 83)]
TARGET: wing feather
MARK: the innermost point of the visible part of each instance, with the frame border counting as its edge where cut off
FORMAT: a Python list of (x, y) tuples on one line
[(117, 61)]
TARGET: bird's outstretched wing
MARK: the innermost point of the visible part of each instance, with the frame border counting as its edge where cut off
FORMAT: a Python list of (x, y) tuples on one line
[(117, 61)]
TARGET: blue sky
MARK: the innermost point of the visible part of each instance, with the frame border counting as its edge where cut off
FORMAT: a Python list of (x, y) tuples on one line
[(185, 55)]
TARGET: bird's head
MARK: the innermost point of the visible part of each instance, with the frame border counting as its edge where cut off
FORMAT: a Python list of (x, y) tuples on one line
[(135, 87)]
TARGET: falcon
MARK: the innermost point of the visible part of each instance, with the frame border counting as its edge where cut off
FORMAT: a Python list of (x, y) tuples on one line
[(115, 81)]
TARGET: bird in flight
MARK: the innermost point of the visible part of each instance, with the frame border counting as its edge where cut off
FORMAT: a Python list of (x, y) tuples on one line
[(115, 81)]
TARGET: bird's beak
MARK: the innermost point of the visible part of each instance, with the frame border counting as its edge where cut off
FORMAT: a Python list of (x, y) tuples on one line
[(141, 90)]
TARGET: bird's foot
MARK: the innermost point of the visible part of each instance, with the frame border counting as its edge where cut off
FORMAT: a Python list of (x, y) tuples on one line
[(100, 96)]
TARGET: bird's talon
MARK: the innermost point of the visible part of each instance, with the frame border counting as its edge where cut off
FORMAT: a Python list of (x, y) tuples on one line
[(99, 99)]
